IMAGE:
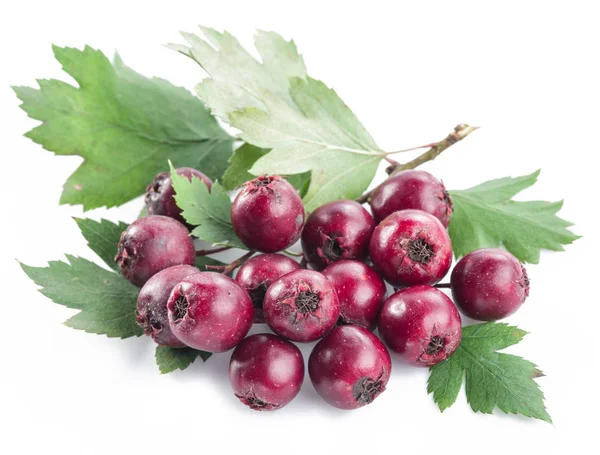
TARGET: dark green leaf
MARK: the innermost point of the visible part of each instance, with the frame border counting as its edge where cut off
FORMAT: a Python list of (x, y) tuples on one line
[(210, 211), (170, 359), (102, 237), (493, 380), (124, 125), (486, 217)]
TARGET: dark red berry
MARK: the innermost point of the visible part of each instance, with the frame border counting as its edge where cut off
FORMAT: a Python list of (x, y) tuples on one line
[(422, 324), (360, 290), (350, 367), (151, 244), (337, 230), (160, 194), (266, 372), (151, 313), (268, 215), (258, 273), (411, 247), (412, 189), (489, 284), (210, 311), (301, 306)]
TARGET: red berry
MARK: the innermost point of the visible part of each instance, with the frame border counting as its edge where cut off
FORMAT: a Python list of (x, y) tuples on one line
[(489, 284), (301, 306), (338, 230), (258, 273), (266, 372), (151, 313), (411, 247), (210, 311), (268, 215), (412, 189), (160, 194), (151, 244), (360, 290), (422, 324), (350, 367)]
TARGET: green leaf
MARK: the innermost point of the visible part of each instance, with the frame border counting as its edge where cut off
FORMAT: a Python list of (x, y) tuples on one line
[(102, 237), (202, 261), (244, 158), (278, 107), (486, 217), (107, 300), (209, 211), (170, 359), (493, 380), (124, 125)]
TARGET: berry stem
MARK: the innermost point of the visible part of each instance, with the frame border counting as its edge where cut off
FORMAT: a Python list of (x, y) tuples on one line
[(227, 269), (213, 251), (291, 253), (443, 285), (460, 132)]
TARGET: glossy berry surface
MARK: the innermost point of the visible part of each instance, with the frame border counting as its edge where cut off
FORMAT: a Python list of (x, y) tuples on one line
[(151, 244), (337, 230), (160, 194), (421, 324), (412, 189), (266, 372), (360, 290), (151, 313), (258, 273), (301, 306), (350, 367), (411, 247), (210, 312), (489, 284), (268, 215)]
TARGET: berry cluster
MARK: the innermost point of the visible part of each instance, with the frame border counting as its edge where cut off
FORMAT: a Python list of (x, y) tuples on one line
[(340, 301)]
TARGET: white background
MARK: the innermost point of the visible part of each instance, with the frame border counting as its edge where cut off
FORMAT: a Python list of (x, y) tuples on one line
[(525, 71)]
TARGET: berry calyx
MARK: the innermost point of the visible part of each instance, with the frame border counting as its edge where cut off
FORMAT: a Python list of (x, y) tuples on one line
[(301, 306), (268, 215), (210, 312), (337, 230), (350, 367), (160, 194), (412, 189), (151, 244), (411, 247), (489, 284), (266, 372), (151, 313), (258, 273), (421, 324), (360, 290)]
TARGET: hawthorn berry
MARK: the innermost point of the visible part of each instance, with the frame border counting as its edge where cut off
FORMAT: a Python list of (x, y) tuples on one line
[(151, 312), (151, 244), (489, 284), (258, 273), (411, 247), (301, 306), (337, 230), (160, 195), (350, 367), (268, 215), (360, 290), (210, 312), (412, 189), (266, 372), (421, 324)]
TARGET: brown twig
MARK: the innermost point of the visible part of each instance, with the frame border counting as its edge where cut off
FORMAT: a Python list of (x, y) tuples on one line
[(460, 132), (227, 269), (213, 251)]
